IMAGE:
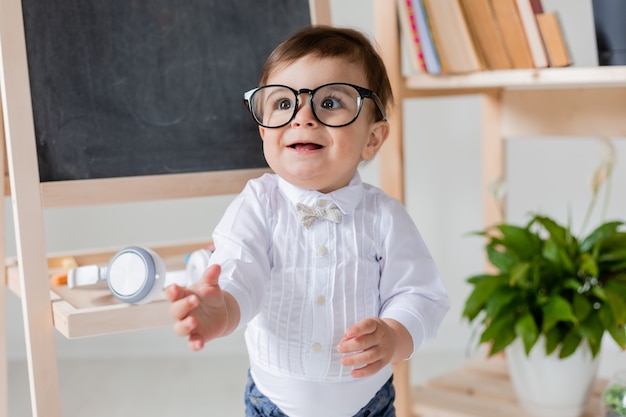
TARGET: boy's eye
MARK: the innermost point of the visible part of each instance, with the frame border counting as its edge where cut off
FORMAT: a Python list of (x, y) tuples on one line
[(284, 104), (330, 103)]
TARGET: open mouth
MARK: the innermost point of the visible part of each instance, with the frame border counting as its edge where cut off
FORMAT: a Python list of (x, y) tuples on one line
[(305, 146)]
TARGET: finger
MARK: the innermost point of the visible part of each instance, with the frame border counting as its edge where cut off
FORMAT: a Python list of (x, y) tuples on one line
[(358, 343), (181, 308), (212, 275), (195, 343), (173, 292), (367, 370), (185, 327), (362, 358), (366, 326)]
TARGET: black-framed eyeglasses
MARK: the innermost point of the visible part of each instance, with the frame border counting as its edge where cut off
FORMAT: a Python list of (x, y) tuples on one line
[(334, 105)]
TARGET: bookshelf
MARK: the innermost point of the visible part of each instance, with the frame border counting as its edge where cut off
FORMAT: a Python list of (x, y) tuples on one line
[(569, 101)]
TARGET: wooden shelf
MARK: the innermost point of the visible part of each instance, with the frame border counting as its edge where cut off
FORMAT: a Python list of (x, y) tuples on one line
[(527, 79), (86, 312), (481, 388)]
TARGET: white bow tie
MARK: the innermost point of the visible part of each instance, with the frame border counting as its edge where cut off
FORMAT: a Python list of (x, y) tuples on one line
[(308, 215)]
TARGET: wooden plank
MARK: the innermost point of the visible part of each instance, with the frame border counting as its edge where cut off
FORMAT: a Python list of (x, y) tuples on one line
[(564, 112), (145, 188), (86, 312), (526, 79), (430, 402), (110, 318), (475, 384), (481, 388)]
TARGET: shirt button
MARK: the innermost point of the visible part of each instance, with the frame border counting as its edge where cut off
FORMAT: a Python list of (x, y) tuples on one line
[(321, 202), (316, 347), (320, 301), (322, 250)]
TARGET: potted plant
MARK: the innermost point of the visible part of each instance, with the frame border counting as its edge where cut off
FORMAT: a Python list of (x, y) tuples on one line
[(553, 286), (614, 396)]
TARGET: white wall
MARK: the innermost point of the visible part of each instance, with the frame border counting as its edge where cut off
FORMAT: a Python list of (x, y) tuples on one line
[(443, 197)]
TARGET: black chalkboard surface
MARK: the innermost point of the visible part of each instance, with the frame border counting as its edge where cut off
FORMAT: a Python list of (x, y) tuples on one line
[(126, 87)]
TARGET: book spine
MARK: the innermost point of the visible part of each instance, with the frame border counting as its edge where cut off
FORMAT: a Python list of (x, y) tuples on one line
[(415, 34), (429, 50)]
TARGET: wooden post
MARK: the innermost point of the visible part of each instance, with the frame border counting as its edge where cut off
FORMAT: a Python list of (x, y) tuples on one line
[(320, 12), (492, 145), (4, 370), (392, 153), (388, 43), (28, 213)]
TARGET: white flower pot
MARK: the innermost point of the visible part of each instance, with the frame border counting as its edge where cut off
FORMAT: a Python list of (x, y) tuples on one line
[(547, 386)]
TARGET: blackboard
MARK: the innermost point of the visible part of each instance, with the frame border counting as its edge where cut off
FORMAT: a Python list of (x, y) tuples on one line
[(126, 87)]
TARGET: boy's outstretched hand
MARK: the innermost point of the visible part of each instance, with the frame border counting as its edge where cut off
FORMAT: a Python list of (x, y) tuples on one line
[(202, 311), (372, 343)]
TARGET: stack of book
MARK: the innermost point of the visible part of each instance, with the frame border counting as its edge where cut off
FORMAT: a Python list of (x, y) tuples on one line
[(461, 36)]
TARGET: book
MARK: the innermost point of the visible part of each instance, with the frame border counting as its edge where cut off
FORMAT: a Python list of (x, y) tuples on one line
[(486, 33), (576, 19), (452, 38), (513, 33), (527, 13), (553, 39), (411, 38), (431, 57), (537, 6)]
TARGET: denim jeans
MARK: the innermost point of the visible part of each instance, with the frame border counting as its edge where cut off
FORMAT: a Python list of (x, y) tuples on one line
[(258, 405)]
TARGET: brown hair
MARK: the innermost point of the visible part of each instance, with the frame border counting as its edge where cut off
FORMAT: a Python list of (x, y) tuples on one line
[(327, 41)]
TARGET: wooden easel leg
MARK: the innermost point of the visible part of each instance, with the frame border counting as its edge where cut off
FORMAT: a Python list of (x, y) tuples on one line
[(21, 153), (4, 370)]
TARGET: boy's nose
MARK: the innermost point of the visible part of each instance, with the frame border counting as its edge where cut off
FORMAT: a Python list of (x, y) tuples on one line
[(304, 113)]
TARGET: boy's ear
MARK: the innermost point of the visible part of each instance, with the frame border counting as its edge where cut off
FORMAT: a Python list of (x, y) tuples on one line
[(379, 132)]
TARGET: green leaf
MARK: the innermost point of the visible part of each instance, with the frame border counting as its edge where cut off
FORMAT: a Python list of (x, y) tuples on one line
[(557, 255), (484, 287), (519, 274), (555, 310), (592, 330), (501, 260), (553, 338), (570, 344), (617, 302), (519, 241), (618, 333), (501, 300), (601, 233), (527, 330), (613, 255), (588, 265), (500, 332), (559, 234), (582, 307)]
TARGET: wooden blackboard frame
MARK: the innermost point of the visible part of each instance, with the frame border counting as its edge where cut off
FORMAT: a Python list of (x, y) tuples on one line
[(30, 197)]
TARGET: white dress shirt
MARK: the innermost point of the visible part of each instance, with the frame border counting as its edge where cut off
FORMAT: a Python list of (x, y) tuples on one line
[(299, 289)]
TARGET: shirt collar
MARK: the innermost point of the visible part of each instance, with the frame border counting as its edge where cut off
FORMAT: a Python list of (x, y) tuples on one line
[(346, 198)]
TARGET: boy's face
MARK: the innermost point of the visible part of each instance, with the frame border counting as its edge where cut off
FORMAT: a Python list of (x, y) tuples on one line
[(307, 153)]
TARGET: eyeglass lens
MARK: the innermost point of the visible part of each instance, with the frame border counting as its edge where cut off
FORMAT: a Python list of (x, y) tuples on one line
[(333, 105)]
